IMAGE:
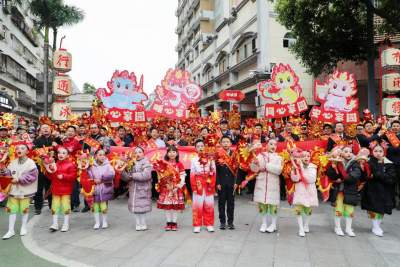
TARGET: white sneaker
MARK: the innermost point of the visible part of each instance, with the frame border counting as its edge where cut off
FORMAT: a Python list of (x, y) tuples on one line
[(96, 226), (64, 227), (54, 227), (271, 228), (105, 225), (306, 228), (350, 232), (196, 229), (23, 231), (143, 227), (338, 231), (263, 228), (138, 227), (8, 235), (210, 229), (377, 232), (302, 233)]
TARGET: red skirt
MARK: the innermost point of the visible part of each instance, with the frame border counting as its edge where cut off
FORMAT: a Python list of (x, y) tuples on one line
[(171, 200)]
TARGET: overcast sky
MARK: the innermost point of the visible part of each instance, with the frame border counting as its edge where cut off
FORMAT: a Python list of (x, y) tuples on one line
[(136, 35)]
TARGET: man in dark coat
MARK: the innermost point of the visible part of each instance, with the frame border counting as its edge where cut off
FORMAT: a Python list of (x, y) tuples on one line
[(45, 139)]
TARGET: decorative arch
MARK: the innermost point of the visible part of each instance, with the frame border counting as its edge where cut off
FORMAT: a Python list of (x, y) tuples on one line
[(221, 56), (243, 37), (207, 67)]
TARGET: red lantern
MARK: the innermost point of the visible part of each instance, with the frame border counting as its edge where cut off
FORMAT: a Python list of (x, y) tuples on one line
[(62, 60)]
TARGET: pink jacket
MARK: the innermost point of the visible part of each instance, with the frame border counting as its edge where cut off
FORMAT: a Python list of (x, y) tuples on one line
[(305, 191)]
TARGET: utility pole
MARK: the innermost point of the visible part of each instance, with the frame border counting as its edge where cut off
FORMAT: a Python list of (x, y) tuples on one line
[(371, 60), (263, 59)]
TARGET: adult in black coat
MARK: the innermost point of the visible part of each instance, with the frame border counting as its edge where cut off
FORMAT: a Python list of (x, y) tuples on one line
[(344, 192), (378, 196), (45, 139)]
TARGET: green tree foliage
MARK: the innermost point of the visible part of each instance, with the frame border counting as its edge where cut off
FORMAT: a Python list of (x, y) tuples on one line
[(89, 88), (329, 31)]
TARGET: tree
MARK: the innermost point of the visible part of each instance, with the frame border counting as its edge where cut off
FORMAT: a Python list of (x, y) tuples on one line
[(330, 31), (66, 15), (89, 88), (51, 14)]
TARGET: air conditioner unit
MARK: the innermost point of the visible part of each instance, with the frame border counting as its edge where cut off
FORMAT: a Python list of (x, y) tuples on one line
[(2, 34)]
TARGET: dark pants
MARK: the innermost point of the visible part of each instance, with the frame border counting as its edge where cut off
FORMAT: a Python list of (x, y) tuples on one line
[(187, 182), (226, 198), (75, 201), (122, 189), (154, 178), (43, 185), (282, 185)]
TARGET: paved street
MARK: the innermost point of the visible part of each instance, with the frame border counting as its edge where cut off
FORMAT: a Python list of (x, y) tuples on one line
[(120, 245)]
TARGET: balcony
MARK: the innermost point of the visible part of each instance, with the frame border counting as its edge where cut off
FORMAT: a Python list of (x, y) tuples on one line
[(24, 99), (18, 20)]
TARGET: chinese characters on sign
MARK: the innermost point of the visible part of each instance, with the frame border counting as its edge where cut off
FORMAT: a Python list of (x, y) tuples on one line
[(338, 99), (231, 95), (62, 86), (175, 94), (285, 90), (62, 60), (61, 111), (123, 98), (390, 61)]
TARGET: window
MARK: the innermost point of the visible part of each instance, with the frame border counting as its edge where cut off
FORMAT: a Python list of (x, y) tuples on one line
[(16, 70), (198, 78), (254, 45), (196, 52), (288, 40), (223, 65), (242, 53)]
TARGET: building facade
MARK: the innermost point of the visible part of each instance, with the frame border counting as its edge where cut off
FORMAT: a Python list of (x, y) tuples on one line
[(232, 45), (21, 61)]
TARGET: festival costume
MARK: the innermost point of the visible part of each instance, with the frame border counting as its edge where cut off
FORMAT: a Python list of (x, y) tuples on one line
[(73, 146), (20, 193), (202, 180), (305, 194), (103, 192), (344, 192), (171, 194), (267, 188), (378, 196), (226, 166), (336, 140), (139, 182), (61, 190), (43, 182)]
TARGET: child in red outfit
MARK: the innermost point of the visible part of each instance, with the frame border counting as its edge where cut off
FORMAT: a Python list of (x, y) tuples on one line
[(62, 183)]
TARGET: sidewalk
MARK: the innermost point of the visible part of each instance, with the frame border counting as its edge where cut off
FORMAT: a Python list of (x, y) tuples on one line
[(12, 252), (120, 245)]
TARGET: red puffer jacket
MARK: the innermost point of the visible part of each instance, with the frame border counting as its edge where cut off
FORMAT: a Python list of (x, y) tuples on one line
[(65, 185), (72, 145)]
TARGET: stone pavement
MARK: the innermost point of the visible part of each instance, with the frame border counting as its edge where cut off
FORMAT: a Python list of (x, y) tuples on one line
[(121, 245), (12, 252)]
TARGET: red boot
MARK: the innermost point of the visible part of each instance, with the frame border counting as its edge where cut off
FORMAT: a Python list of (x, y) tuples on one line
[(174, 227), (168, 227)]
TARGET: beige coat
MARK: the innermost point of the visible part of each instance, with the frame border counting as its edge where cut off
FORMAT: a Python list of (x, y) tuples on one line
[(266, 190), (306, 192)]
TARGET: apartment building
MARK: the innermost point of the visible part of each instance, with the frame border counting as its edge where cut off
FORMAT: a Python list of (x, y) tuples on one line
[(21, 62), (232, 45)]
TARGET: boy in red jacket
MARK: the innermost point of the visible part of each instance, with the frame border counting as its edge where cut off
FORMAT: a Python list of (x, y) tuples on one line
[(62, 178)]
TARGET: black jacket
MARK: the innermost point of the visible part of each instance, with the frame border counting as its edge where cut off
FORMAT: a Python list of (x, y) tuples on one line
[(225, 177), (364, 141), (349, 186), (378, 194), (294, 136), (43, 141)]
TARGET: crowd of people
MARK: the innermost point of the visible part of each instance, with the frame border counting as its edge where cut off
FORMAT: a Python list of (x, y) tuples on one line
[(54, 163)]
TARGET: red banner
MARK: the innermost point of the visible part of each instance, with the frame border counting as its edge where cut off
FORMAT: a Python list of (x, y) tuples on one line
[(281, 111), (187, 153), (337, 96), (231, 95)]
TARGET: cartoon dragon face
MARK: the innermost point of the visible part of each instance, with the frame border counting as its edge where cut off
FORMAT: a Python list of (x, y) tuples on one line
[(342, 84), (283, 76), (123, 86)]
